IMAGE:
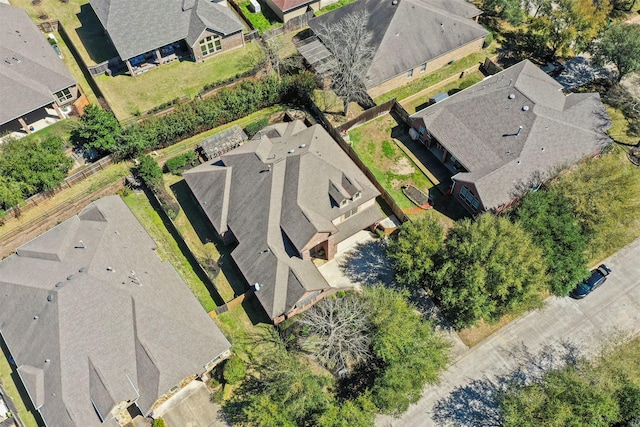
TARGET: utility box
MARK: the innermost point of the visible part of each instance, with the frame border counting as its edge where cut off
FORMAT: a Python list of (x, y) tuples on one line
[(254, 6)]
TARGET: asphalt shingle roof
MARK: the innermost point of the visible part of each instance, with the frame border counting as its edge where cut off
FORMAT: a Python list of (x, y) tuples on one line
[(480, 127), (92, 317), (137, 27), (30, 70), (409, 33), (273, 194)]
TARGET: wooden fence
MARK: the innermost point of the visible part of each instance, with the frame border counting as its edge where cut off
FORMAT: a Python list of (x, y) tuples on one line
[(71, 180), (337, 135), (293, 24), (231, 304), (367, 115)]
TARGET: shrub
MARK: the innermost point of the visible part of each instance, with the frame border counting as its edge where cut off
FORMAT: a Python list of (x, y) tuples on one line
[(150, 172), (255, 127), (174, 164), (487, 41), (234, 370), (158, 422)]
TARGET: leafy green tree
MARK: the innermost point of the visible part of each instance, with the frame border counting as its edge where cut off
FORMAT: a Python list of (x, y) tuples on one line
[(349, 413), (410, 352), (412, 252), (620, 46), (487, 268), (287, 393), (571, 25), (133, 141), (234, 370), (11, 194), (98, 130), (35, 165), (150, 172), (548, 216), (600, 392), (509, 10), (158, 422)]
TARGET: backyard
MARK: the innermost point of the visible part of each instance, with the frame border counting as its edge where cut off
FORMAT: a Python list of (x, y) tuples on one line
[(374, 144)]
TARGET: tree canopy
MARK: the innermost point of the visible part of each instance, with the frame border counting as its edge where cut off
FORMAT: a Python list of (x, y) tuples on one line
[(413, 249), (488, 267), (619, 45), (602, 392), (28, 166), (98, 130), (549, 217)]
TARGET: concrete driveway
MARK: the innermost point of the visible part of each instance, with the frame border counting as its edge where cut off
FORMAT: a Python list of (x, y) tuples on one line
[(558, 333), (191, 407)]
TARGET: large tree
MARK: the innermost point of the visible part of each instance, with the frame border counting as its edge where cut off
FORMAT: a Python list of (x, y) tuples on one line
[(620, 46), (337, 332), (548, 216), (601, 392), (351, 44), (412, 252), (488, 267), (409, 352), (509, 10), (98, 130)]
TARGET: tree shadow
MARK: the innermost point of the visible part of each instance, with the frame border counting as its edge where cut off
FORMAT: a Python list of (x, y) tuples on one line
[(368, 264), (518, 45), (477, 403), (92, 35)]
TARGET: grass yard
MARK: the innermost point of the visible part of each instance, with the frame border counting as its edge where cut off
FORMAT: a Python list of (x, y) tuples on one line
[(391, 167), (619, 127), (262, 21), (61, 129), (7, 377), (333, 6), (129, 96), (76, 69), (168, 247), (417, 103), (437, 76)]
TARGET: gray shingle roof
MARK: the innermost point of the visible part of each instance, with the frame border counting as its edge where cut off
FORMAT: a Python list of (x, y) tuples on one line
[(136, 27), (479, 126), (278, 199), (411, 32), (93, 317), (30, 70)]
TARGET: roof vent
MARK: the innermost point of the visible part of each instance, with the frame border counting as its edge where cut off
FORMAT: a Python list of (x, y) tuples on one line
[(82, 269), (542, 149), (394, 2), (525, 108), (291, 151), (302, 145), (36, 317), (80, 245), (71, 276), (50, 297), (47, 360), (59, 284), (110, 269), (512, 96)]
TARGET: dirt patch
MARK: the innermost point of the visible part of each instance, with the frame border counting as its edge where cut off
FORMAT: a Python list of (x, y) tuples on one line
[(474, 334), (403, 167)]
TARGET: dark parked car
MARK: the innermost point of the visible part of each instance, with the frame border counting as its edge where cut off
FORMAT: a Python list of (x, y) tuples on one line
[(597, 278)]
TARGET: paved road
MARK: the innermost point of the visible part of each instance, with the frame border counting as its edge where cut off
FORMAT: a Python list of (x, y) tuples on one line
[(540, 339)]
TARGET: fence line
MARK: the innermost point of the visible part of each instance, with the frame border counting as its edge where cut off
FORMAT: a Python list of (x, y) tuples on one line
[(337, 136), (367, 115)]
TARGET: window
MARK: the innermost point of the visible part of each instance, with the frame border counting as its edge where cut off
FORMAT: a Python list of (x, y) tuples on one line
[(209, 45), (64, 95), (351, 212), (421, 130), (466, 195), (356, 196), (410, 73), (423, 67), (343, 203)]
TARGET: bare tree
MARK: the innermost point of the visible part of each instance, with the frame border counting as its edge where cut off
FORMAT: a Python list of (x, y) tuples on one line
[(352, 46), (338, 332)]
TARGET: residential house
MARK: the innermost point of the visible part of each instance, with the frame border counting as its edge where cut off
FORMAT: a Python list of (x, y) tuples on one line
[(96, 325), (149, 33), (287, 196), (411, 37), (509, 132), (34, 82)]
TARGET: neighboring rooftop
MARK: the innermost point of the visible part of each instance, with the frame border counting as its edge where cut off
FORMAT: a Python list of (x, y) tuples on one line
[(93, 318), (513, 125), (407, 33), (137, 27), (30, 70), (277, 193)]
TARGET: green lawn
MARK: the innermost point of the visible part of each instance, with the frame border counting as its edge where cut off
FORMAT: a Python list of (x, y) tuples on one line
[(333, 6), (391, 167), (262, 21), (60, 128), (437, 76), (76, 69), (129, 96), (10, 387), (420, 102), (168, 247)]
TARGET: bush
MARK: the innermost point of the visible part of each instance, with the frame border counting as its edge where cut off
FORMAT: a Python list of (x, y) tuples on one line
[(234, 370), (158, 422), (174, 164), (487, 41), (150, 172), (255, 127)]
